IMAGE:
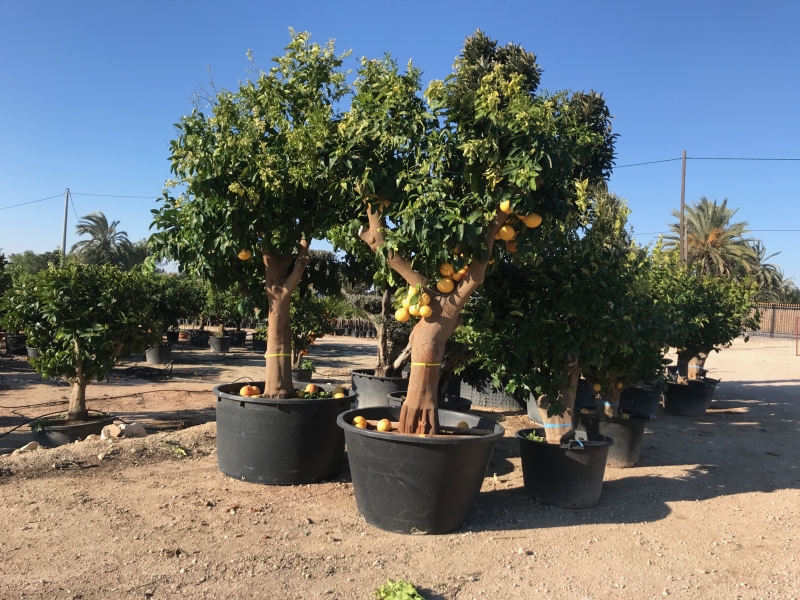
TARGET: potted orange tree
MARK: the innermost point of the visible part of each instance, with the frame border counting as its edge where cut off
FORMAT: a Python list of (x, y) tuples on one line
[(436, 180), (256, 173)]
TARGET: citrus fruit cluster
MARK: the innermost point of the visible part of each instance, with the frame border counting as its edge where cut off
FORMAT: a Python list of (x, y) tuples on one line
[(361, 423), (314, 391), (507, 233)]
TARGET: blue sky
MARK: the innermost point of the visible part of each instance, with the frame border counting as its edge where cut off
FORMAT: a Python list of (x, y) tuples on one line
[(90, 91)]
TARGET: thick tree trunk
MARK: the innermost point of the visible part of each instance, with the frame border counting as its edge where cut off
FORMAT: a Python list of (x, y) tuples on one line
[(558, 428), (77, 400), (428, 340), (278, 375), (690, 361), (608, 402)]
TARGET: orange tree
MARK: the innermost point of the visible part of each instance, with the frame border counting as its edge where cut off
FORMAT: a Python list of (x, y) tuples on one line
[(435, 178), (256, 187)]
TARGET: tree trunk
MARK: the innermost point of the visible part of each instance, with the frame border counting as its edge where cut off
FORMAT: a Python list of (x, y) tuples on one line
[(690, 361), (608, 402), (278, 376), (77, 400), (558, 428), (383, 366), (428, 340)]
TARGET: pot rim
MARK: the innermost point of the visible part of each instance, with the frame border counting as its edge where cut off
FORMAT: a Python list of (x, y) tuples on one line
[(348, 427), (56, 428), (370, 373), (221, 395), (572, 445), (635, 417)]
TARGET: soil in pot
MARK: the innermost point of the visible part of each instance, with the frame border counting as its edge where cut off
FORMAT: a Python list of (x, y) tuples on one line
[(412, 484), (567, 475), (645, 400), (373, 390), (279, 442), (50, 434), (159, 355), (220, 344), (303, 375), (627, 433), (691, 399)]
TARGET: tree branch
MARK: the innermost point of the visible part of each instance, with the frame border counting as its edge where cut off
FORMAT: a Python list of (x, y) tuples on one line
[(300, 263), (477, 269), (374, 239)]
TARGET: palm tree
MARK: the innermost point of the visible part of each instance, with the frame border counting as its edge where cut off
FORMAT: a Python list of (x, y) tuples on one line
[(105, 245), (714, 243)]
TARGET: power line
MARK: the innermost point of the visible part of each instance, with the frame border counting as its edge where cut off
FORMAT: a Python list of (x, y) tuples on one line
[(31, 202), (717, 158), (71, 201), (652, 162), (115, 196)]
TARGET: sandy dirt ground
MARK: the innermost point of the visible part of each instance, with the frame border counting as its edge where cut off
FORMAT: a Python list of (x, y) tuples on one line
[(710, 512)]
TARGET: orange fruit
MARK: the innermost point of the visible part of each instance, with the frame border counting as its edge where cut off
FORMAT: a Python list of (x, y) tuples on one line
[(446, 270), (244, 254), (505, 206), (359, 419), (339, 395), (619, 385), (406, 302), (532, 220), (384, 425), (311, 389), (413, 310), (506, 233), (424, 299), (511, 246), (249, 391), (463, 425), (402, 315), (597, 387), (459, 275), (445, 285), (425, 311)]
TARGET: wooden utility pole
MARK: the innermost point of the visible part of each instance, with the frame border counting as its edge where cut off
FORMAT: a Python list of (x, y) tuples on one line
[(64, 236), (684, 253)]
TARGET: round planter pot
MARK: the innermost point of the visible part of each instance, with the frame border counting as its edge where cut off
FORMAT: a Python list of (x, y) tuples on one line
[(238, 338), (172, 336), (303, 375), (53, 436), (278, 442), (32, 352), (373, 390), (183, 336), (15, 344), (454, 403), (566, 475), (411, 484), (198, 338), (626, 433), (259, 345), (641, 399), (220, 344), (159, 355), (688, 400)]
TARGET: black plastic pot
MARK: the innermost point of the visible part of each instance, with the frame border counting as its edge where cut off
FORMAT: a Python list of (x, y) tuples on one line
[(566, 475), (688, 400), (641, 399), (626, 433), (412, 484), (160, 355), (373, 390), (198, 338), (53, 436), (259, 345), (303, 375), (220, 344), (172, 336), (278, 442), (238, 338), (454, 403), (15, 344), (32, 352)]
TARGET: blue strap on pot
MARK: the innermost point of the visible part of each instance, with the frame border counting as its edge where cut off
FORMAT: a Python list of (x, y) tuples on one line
[(609, 403), (553, 425)]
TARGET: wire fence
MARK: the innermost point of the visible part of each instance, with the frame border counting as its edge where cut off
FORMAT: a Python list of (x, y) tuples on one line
[(780, 329)]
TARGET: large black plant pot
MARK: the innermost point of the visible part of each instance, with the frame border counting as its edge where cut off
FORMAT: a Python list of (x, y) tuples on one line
[(641, 399), (688, 400), (172, 336), (454, 403), (626, 433), (198, 338), (52, 436), (278, 442), (303, 375), (412, 484), (15, 344), (373, 390), (566, 475), (238, 338), (220, 344), (160, 355), (259, 345)]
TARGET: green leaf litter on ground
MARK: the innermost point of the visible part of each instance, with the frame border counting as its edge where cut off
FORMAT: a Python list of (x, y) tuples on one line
[(397, 590)]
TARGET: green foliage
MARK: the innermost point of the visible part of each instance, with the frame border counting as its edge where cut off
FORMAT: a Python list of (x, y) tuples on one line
[(222, 305), (174, 297), (32, 263), (443, 163), (256, 170), (80, 317), (311, 319), (106, 245), (397, 590), (307, 364), (705, 312)]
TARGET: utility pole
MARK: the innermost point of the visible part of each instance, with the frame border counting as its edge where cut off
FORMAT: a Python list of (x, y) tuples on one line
[(684, 253), (64, 237)]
